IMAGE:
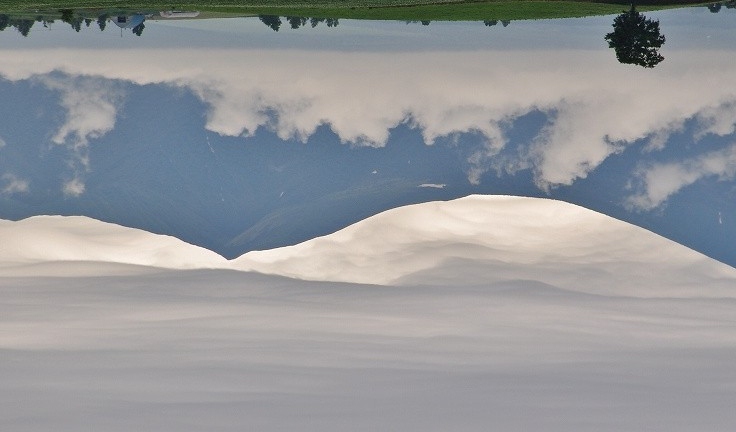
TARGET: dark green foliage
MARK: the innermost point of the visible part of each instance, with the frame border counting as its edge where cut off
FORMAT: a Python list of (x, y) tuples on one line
[(102, 21), (636, 39), (67, 15), (272, 21), (402, 10), (716, 7), (24, 26), (138, 30), (296, 22)]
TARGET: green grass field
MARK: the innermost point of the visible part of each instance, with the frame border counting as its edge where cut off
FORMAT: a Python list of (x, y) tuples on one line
[(357, 9)]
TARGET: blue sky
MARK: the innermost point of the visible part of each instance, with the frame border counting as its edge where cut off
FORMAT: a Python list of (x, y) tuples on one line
[(229, 135)]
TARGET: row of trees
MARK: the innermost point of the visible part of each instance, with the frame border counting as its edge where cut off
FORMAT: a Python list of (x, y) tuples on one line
[(716, 7), (24, 25), (274, 22), (635, 38)]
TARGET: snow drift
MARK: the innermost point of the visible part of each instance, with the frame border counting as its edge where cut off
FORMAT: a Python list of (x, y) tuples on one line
[(510, 313), (474, 240), (486, 239)]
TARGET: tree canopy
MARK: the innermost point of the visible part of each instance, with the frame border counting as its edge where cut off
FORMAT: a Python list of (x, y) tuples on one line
[(636, 39)]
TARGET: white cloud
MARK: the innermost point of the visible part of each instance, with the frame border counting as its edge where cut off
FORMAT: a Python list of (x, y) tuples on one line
[(2, 142), (658, 139), (659, 181), (74, 187), (717, 120), (596, 107), (90, 105), (433, 185), (13, 185)]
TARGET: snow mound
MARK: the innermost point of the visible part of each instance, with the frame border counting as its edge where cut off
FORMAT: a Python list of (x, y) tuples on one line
[(487, 239), (48, 239), (477, 240)]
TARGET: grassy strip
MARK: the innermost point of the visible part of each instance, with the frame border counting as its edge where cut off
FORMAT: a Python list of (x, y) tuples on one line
[(500, 10), (410, 10)]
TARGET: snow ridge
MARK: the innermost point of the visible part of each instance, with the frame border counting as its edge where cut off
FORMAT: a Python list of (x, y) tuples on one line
[(474, 240)]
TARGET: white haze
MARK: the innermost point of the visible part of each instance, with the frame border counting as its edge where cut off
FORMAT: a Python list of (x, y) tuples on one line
[(512, 314)]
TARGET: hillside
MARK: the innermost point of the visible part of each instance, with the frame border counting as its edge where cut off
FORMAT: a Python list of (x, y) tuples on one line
[(477, 240), (526, 314)]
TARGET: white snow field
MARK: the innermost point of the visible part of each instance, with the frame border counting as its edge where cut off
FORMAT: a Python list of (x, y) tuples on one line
[(479, 314)]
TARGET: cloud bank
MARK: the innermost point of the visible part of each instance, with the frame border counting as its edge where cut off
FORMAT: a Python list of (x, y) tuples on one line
[(595, 106), (658, 182)]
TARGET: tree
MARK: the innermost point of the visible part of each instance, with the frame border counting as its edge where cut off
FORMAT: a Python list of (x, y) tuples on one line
[(102, 21), (4, 22), (23, 26), (76, 24), (296, 22), (67, 15), (636, 39), (138, 30), (272, 21)]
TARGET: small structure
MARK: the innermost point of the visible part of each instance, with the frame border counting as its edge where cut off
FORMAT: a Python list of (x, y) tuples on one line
[(133, 22), (129, 21), (178, 14)]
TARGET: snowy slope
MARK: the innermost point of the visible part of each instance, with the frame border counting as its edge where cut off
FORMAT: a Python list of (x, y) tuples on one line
[(44, 239), (490, 321), (486, 239), (475, 240)]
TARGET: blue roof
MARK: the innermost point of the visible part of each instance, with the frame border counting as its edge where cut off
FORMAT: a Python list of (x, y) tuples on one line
[(128, 21)]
